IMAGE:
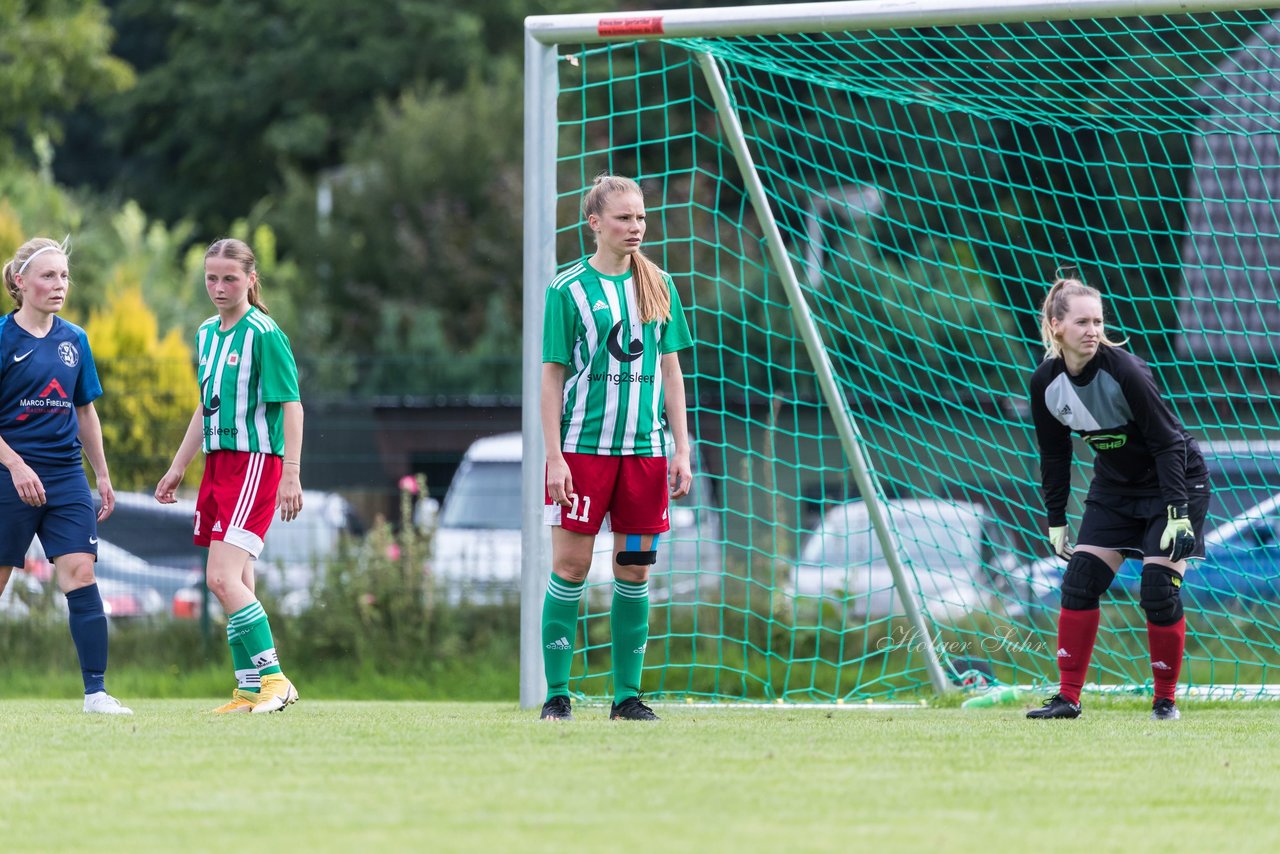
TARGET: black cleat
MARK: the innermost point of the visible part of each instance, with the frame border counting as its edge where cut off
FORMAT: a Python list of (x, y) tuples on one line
[(631, 709), (1164, 710), (557, 709), (1056, 706)]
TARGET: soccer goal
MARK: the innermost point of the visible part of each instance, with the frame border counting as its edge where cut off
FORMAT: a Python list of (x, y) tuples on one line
[(863, 204)]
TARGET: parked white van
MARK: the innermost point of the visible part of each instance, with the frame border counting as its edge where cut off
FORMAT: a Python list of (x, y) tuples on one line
[(476, 550)]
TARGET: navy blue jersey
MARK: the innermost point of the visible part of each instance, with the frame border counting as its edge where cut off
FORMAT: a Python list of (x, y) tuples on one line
[(1141, 448), (42, 381)]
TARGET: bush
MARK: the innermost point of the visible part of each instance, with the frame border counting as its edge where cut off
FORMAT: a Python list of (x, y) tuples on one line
[(373, 609), (149, 387)]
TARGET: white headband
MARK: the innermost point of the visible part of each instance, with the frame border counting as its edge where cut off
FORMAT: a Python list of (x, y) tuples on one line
[(33, 255)]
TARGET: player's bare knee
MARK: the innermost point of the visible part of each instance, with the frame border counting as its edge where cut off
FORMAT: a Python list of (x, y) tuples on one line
[(220, 584), (1161, 594), (633, 574), (75, 572), (573, 572), (1086, 579)]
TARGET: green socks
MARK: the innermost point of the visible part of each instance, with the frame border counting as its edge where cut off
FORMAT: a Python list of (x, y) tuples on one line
[(247, 678), (559, 626), (628, 624), (629, 627), (250, 623)]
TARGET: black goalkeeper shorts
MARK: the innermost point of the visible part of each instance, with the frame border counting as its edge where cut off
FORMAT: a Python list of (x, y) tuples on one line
[(1134, 524)]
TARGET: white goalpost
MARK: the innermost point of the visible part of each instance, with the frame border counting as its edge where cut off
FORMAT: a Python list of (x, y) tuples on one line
[(857, 196)]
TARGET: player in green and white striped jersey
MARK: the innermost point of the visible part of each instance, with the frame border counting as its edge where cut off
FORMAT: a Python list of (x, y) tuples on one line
[(249, 424), (613, 403), (613, 409), (243, 371)]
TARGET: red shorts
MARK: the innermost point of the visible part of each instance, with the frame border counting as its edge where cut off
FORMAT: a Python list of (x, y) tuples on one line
[(631, 489), (237, 499)]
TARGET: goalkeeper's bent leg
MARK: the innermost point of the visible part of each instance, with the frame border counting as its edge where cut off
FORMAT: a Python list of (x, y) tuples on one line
[(1166, 626), (1086, 579)]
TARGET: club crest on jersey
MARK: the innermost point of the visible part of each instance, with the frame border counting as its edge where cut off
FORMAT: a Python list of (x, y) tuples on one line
[(233, 359), (68, 353)]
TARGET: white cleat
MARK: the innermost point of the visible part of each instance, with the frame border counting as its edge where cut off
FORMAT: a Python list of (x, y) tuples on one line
[(277, 692), (103, 703)]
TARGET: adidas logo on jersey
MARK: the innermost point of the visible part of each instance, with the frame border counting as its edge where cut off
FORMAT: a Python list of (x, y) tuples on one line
[(217, 527), (1062, 653), (1065, 410), (640, 649), (560, 644), (600, 305), (1160, 665)]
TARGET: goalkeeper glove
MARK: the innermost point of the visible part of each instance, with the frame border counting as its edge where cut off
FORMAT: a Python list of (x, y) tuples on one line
[(1178, 536), (1061, 542)]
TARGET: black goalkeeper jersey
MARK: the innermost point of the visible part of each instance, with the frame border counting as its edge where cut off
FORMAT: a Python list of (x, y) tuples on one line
[(1140, 447)]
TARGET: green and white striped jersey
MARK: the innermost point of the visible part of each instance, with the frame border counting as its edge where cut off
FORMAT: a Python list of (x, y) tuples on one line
[(613, 401), (245, 374)]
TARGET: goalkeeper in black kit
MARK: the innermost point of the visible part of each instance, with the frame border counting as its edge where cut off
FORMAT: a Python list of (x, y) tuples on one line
[(1148, 497)]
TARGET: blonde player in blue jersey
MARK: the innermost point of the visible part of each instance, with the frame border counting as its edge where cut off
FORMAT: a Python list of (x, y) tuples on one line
[(249, 424), (613, 409), (48, 382)]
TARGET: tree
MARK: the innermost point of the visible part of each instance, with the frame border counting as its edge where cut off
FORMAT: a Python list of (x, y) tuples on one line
[(232, 94), (149, 385), (422, 246), (53, 56)]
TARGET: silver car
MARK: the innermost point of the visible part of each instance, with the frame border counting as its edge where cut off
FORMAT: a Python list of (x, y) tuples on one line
[(955, 556), (476, 549)]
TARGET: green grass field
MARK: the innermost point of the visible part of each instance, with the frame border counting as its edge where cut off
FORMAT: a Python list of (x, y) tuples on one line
[(404, 776)]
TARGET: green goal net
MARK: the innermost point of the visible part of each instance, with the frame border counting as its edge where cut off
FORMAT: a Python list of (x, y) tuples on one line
[(862, 269)]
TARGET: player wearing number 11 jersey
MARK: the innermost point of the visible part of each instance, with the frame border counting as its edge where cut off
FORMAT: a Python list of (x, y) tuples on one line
[(612, 409)]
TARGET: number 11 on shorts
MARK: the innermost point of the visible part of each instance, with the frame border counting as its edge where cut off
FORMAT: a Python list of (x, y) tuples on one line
[(585, 516)]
